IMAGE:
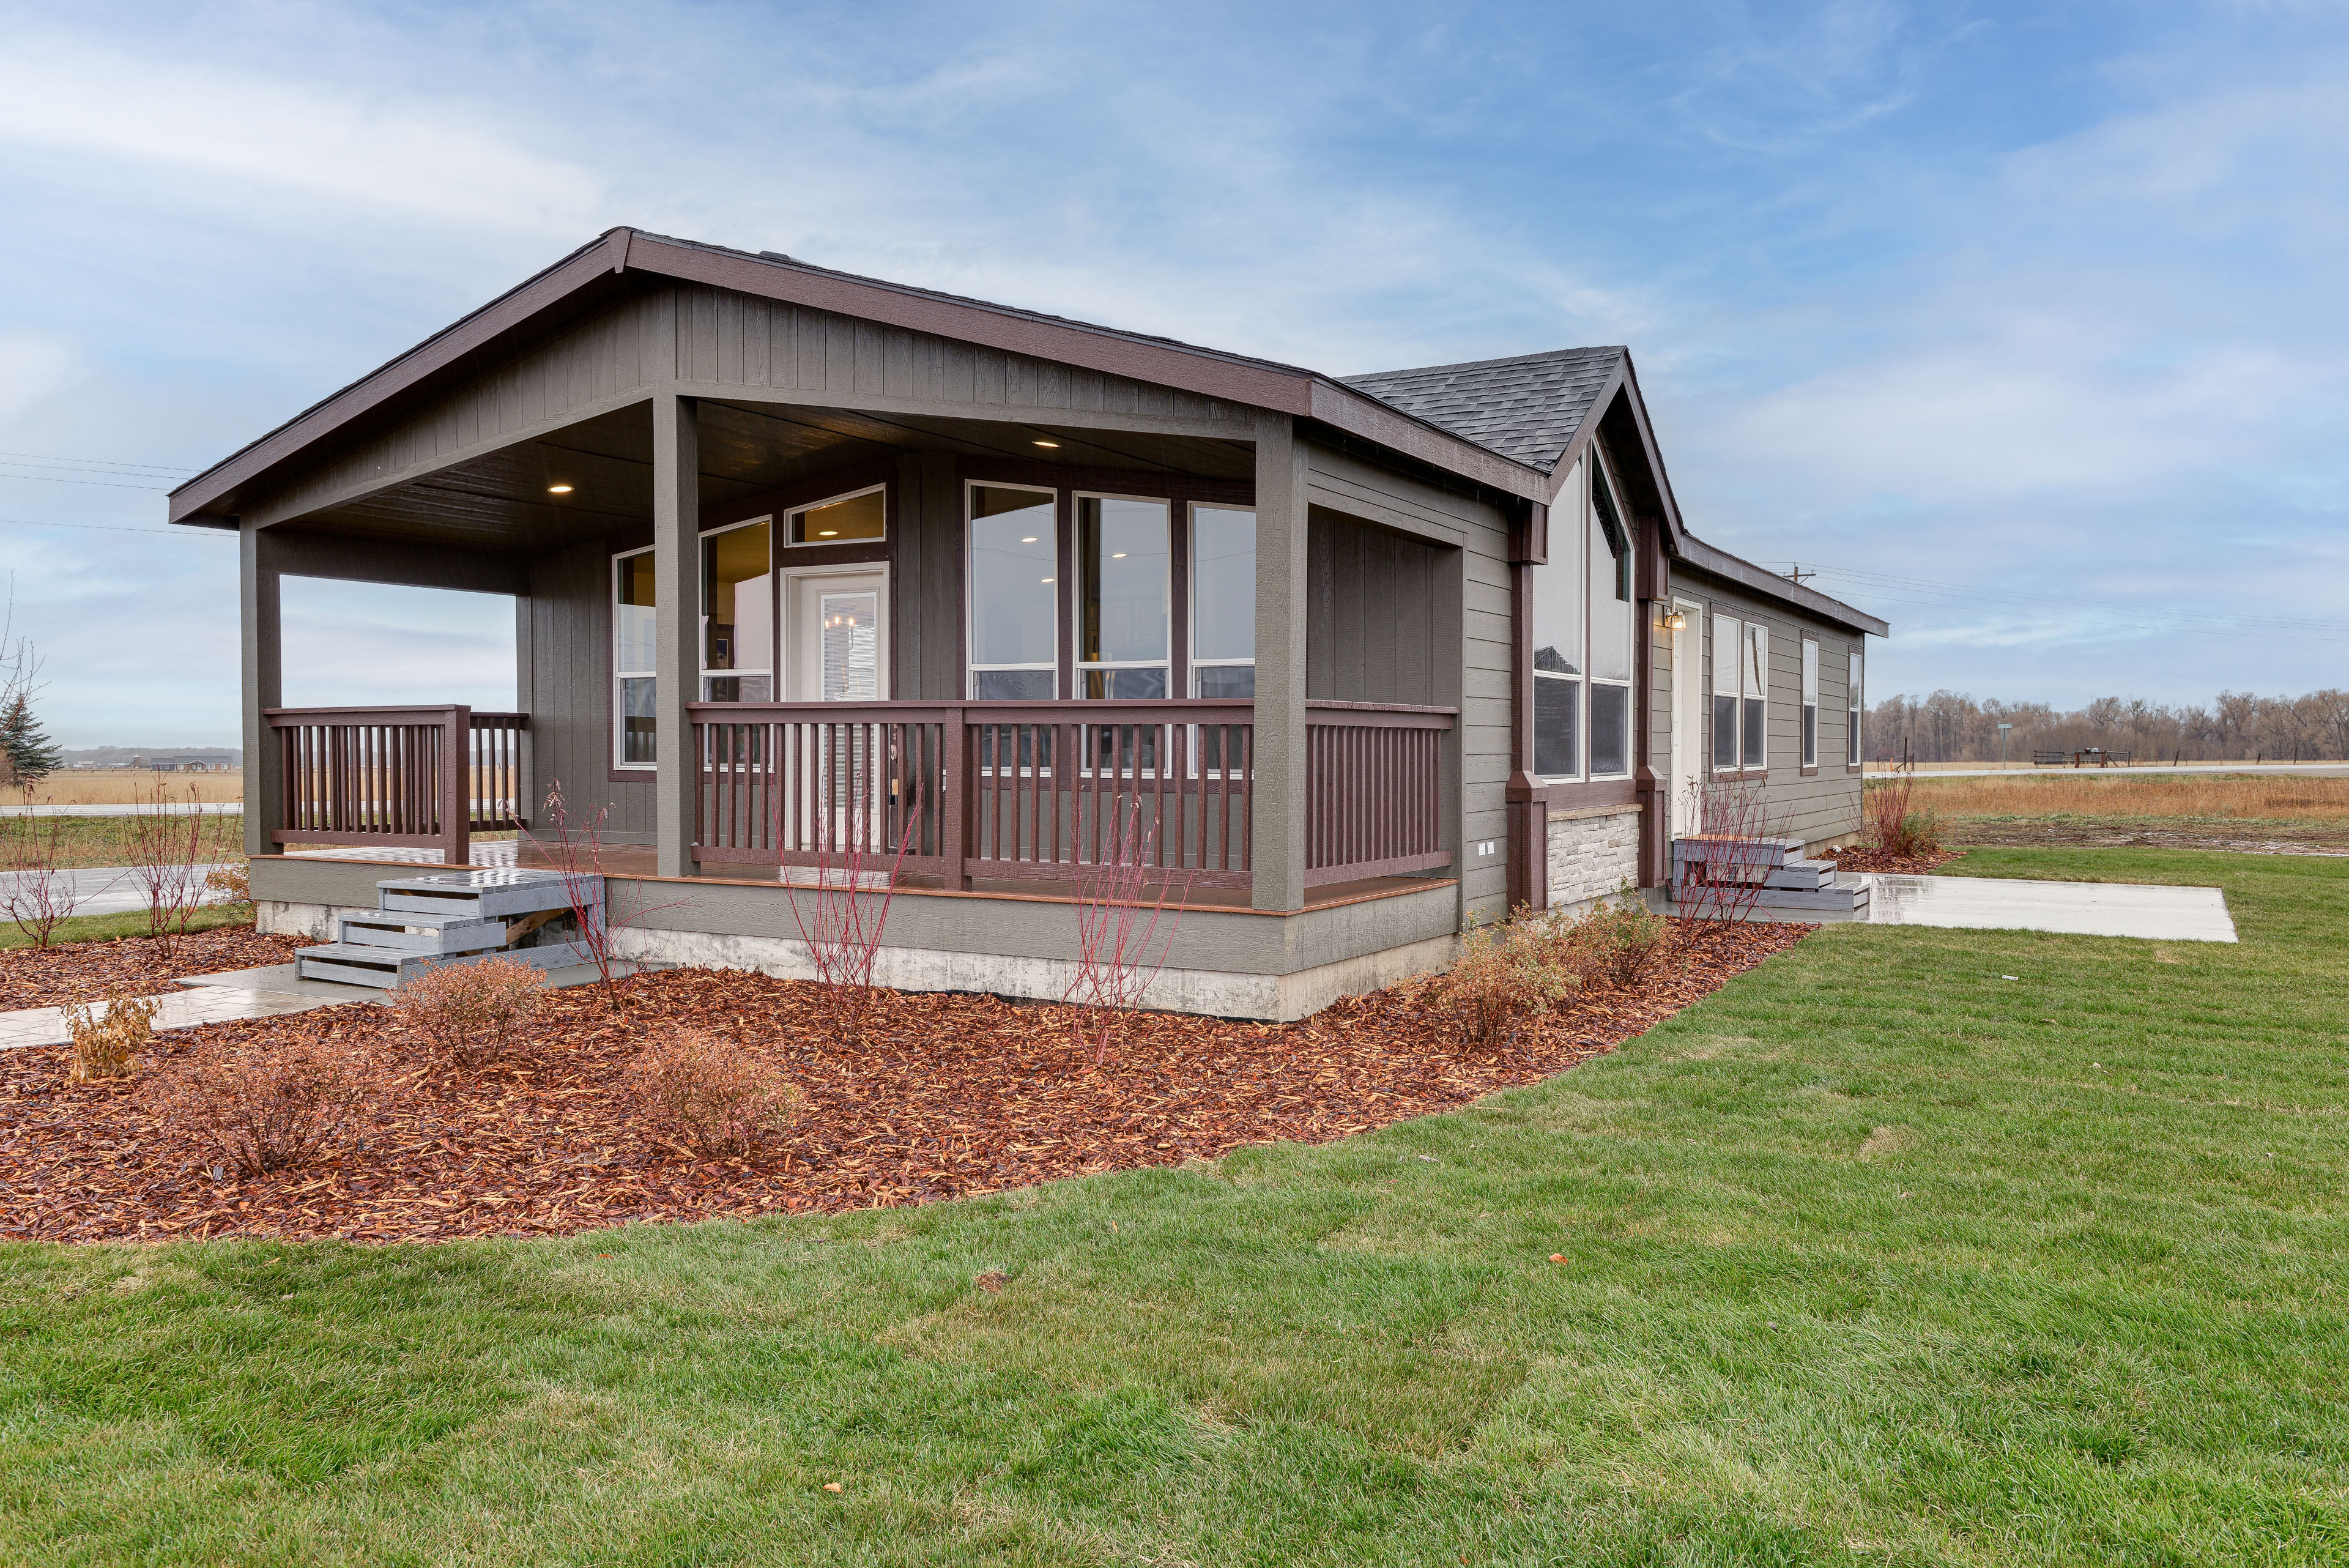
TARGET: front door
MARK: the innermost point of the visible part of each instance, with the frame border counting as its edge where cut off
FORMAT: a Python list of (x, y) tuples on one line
[(839, 635)]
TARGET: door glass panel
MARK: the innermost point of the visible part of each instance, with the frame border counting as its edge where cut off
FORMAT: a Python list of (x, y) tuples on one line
[(849, 642)]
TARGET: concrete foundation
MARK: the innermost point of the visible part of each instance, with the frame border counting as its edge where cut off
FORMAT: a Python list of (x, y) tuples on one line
[(1592, 854)]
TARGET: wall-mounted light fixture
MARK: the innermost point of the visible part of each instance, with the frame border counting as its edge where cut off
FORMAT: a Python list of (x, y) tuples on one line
[(1673, 621)]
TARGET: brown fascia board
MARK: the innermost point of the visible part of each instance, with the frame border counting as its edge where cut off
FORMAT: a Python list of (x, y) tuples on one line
[(1703, 557), (1229, 378)]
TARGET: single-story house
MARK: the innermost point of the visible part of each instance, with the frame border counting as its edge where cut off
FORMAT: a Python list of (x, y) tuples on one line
[(1369, 656)]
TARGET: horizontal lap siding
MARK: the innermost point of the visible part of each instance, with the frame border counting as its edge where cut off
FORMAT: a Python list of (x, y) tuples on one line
[(1826, 805)]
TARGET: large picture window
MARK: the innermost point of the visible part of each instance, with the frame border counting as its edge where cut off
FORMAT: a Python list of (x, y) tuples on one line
[(1613, 618), (1559, 605), (1852, 706), (1810, 702), (1223, 602), (1015, 550), (1125, 594), (634, 661), (738, 614)]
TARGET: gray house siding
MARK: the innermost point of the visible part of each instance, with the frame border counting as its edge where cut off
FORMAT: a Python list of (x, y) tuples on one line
[(564, 652), (1822, 807)]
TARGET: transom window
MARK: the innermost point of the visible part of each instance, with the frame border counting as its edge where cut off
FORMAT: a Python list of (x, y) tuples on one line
[(859, 515)]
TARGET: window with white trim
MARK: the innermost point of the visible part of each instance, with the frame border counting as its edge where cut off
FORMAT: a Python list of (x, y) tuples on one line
[(1728, 640), (1223, 601), (1124, 604), (1613, 621), (1852, 707), (634, 661), (1754, 685), (1014, 610), (1810, 702), (1559, 610), (738, 614), (841, 519)]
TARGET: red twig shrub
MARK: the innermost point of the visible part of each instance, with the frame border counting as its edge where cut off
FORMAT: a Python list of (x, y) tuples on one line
[(35, 892), (1724, 888), (170, 850), (261, 1109), (1119, 953), (843, 907), (574, 849), (711, 1095), (469, 1014), (1895, 824), (1504, 975)]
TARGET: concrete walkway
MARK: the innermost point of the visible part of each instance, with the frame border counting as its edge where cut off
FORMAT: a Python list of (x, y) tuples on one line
[(104, 890), (2153, 911)]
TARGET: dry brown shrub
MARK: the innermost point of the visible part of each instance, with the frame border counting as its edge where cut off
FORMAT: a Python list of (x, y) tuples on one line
[(104, 1044), (235, 882), (469, 1014), (1613, 944), (261, 1109), (710, 1095), (1504, 975), (1895, 825)]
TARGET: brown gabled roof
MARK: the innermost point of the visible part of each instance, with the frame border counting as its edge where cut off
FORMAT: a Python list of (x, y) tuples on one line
[(591, 269)]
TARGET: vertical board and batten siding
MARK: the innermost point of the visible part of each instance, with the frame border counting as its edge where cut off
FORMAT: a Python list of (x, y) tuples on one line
[(567, 684), (1470, 665), (1826, 805), (1371, 603), (927, 663), (713, 341)]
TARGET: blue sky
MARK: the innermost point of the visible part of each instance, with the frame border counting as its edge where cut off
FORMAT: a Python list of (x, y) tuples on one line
[(2025, 325)]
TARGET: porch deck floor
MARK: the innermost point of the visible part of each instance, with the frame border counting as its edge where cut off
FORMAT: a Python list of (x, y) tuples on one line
[(637, 860)]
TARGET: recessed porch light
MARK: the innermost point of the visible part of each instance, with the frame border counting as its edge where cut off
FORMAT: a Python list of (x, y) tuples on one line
[(1119, 555), (1044, 579), (558, 490), (1041, 441), (1030, 540)]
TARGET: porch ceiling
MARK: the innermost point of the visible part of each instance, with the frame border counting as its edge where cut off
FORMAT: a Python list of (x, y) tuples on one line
[(499, 501)]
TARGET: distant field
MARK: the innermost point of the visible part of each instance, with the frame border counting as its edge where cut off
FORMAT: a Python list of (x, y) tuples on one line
[(106, 840), (110, 786), (2210, 810)]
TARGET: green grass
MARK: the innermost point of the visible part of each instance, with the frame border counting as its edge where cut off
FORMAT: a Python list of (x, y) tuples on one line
[(106, 927), (106, 840), (1875, 1256)]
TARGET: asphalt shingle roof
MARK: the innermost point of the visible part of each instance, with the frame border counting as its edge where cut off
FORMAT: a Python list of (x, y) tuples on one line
[(1526, 408)]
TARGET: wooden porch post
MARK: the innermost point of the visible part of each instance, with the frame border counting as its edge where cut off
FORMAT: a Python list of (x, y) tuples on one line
[(263, 672), (1277, 810), (676, 622)]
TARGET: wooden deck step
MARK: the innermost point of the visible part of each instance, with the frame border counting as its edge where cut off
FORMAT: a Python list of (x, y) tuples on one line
[(386, 968)]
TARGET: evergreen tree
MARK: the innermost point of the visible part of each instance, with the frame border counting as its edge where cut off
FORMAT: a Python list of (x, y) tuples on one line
[(25, 749)]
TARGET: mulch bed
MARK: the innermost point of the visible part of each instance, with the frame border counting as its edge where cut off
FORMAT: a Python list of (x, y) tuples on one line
[(1859, 858), (946, 1096), (51, 977)]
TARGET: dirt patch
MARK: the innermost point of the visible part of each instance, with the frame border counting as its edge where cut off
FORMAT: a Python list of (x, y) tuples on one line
[(946, 1096), (51, 977), (1859, 858)]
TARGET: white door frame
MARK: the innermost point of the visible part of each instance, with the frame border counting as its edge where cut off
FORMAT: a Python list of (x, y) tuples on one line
[(1688, 731), (789, 672)]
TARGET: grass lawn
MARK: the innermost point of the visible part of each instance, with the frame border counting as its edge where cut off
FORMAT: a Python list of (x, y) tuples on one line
[(131, 923), (1874, 1256), (107, 840)]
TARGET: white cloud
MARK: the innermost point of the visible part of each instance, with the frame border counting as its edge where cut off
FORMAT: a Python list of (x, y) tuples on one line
[(444, 161), (35, 366)]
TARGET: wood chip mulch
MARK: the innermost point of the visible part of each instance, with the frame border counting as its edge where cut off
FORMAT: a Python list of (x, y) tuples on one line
[(51, 977), (1859, 858), (946, 1096)]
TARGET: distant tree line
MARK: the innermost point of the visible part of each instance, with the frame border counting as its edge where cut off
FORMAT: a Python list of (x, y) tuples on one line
[(2239, 726)]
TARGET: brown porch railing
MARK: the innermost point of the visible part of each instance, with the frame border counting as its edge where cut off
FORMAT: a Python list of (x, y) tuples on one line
[(1010, 790), (423, 778)]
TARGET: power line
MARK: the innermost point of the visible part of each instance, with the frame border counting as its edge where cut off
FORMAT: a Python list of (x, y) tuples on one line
[(106, 528), (102, 483), (51, 460), (1960, 595)]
